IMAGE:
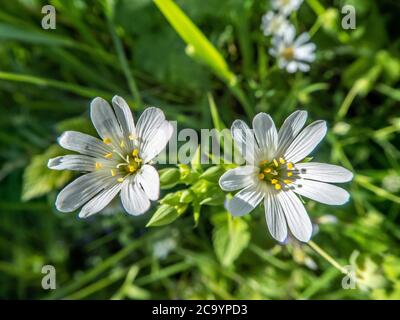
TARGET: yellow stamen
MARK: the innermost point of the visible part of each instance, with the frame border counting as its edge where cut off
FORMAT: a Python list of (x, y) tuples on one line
[(122, 144), (138, 160), (275, 163), (267, 170), (108, 155), (135, 152), (120, 179), (282, 161), (287, 181), (107, 140), (98, 165), (264, 162), (289, 174), (132, 136), (113, 173), (261, 176), (131, 168), (278, 186), (274, 181), (290, 165)]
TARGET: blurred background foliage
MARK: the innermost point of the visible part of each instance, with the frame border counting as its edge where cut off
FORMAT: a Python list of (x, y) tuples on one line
[(193, 248)]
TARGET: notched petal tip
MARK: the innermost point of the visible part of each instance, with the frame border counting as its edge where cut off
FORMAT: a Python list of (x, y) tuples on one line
[(53, 163)]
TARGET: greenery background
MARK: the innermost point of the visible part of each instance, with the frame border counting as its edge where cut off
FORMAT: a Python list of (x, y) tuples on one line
[(102, 48)]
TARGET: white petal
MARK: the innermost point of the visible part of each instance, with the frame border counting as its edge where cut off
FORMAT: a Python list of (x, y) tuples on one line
[(133, 198), (302, 39), (245, 200), (296, 215), (266, 134), (275, 217), (238, 178), (303, 67), (149, 179), (81, 190), (324, 172), (83, 143), (105, 121), (290, 129), (292, 67), (306, 141), (99, 202), (321, 192), (152, 147), (245, 141), (124, 115), (72, 162)]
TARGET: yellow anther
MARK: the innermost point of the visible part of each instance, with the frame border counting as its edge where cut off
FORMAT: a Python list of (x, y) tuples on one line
[(120, 179), (274, 181), (287, 181), (260, 176), (135, 152), (278, 186), (264, 162), (275, 163), (108, 155), (267, 170), (113, 173), (122, 144), (132, 168), (289, 174), (138, 160), (282, 161), (107, 140), (98, 165), (290, 165)]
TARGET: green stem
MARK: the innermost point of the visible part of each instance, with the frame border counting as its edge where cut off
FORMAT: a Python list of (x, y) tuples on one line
[(124, 64), (327, 257)]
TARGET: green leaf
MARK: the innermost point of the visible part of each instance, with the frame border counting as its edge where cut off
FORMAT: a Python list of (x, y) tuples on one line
[(38, 179), (169, 177), (230, 237), (199, 46), (212, 174), (165, 214)]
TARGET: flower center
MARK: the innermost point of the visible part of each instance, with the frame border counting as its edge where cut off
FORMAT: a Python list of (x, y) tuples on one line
[(130, 164), (288, 53), (277, 172)]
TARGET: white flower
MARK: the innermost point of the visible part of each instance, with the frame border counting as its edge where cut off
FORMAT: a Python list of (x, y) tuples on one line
[(274, 173), (121, 162), (286, 7), (162, 248), (293, 54), (274, 24)]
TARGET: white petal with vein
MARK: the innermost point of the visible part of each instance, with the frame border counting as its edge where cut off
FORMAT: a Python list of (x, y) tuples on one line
[(238, 178), (321, 192), (306, 141), (245, 200), (324, 172)]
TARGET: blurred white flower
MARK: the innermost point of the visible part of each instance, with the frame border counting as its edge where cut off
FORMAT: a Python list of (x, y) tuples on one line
[(274, 24), (121, 162), (286, 7), (293, 54), (162, 248), (391, 183), (274, 173)]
